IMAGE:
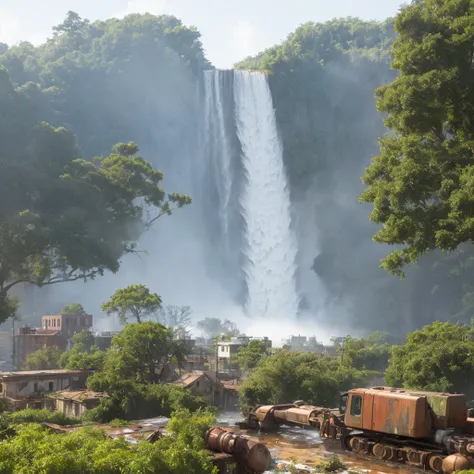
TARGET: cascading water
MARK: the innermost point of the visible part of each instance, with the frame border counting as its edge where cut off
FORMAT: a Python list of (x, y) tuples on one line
[(270, 245), (219, 148), (248, 206)]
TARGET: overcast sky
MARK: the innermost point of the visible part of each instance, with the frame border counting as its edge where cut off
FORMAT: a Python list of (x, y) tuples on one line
[(231, 29)]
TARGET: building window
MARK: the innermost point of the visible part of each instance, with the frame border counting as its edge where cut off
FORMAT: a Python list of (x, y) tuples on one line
[(35, 387), (51, 386), (197, 384), (59, 323), (1, 387), (356, 405)]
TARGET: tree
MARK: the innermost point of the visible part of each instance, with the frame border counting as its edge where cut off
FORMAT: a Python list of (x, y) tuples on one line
[(134, 301), (176, 318), (67, 218), (368, 353), (213, 327), (84, 354), (46, 358), (73, 308), (288, 376), (140, 352), (422, 183), (439, 357), (72, 24), (229, 328), (248, 357)]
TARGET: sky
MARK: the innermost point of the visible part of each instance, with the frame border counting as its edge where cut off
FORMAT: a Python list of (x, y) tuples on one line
[(231, 29)]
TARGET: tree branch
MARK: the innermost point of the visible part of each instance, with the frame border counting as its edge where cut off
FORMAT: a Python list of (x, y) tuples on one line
[(67, 277), (161, 214), (12, 284)]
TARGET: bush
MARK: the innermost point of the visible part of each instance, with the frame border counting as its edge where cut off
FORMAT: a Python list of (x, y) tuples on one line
[(31, 415), (33, 448)]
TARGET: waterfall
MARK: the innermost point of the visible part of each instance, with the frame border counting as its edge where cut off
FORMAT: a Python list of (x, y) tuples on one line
[(270, 244), (246, 202), (218, 149)]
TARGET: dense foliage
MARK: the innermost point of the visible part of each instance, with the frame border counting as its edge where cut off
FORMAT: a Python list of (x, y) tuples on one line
[(66, 218), (439, 357), (45, 358), (422, 184), (105, 82), (249, 356), (134, 301), (84, 355), (288, 376), (32, 448), (212, 327)]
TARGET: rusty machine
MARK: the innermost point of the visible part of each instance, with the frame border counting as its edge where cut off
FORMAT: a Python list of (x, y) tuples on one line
[(423, 429), (250, 456)]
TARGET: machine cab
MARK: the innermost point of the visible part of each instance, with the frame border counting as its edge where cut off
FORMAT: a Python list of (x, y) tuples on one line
[(351, 405)]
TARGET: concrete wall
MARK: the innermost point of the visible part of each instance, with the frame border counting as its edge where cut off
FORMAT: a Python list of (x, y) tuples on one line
[(25, 387)]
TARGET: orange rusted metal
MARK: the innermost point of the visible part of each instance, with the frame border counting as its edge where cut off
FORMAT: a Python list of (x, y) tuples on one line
[(248, 453), (302, 415), (392, 412)]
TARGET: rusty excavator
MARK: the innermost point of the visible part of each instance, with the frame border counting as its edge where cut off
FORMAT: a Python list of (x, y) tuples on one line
[(425, 430)]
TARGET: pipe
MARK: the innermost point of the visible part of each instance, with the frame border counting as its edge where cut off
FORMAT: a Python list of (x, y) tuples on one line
[(253, 455)]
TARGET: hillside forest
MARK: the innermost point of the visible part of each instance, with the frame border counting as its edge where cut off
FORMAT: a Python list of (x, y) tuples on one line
[(68, 102)]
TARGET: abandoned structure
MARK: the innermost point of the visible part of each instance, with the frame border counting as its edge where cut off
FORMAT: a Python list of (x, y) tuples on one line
[(27, 389), (227, 350), (74, 403), (67, 324), (206, 386), (56, 331)]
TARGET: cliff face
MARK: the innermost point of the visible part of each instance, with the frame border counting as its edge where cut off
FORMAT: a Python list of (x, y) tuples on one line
[(323, 79)]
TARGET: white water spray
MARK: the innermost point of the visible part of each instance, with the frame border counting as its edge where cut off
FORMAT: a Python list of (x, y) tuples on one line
[(271, 246)]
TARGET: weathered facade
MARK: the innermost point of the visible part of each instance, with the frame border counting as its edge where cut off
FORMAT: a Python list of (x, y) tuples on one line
[(29, 340), (67, 324), (26, 389), (74, 403), (206, 386), (56, 331)]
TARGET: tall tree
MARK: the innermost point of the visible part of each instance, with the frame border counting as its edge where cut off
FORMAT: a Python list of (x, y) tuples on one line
[(174, 317), (139, 353), (135, 301), (66, 218), (422, 183)]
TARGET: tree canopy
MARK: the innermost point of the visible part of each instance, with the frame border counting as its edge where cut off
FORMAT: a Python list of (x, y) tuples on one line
[(45, 358), (288, 376), (66, 218), (90, 450), (139, 352), (135, 301), (213, 327), (421, 184), (73, 308), (249, 356), (439, 358)]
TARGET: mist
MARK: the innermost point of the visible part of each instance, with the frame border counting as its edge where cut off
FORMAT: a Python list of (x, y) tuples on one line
[(155, 93)]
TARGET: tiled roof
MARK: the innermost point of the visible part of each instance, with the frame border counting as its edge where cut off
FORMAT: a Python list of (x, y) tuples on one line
[(81, 395)]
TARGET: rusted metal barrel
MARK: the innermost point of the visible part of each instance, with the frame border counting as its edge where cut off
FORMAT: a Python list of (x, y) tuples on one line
[(253, 455)]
